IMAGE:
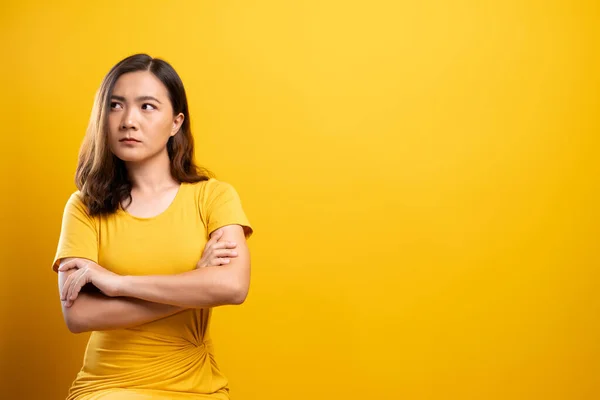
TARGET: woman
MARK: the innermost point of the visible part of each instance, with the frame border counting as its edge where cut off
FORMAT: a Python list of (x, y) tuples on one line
[(149, 244)]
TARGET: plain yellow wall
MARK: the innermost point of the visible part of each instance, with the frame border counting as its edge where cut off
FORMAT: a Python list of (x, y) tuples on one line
[(422, 177)]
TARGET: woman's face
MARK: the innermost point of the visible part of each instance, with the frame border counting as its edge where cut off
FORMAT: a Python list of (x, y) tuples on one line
[(140, 119)]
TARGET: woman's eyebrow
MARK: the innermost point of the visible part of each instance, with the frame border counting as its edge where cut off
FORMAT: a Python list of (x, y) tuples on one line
[(140, 98)]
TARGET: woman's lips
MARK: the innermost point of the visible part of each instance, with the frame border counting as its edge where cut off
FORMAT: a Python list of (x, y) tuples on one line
[(129, 141)]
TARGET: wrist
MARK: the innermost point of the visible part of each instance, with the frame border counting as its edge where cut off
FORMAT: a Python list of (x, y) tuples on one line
[(124, 285)]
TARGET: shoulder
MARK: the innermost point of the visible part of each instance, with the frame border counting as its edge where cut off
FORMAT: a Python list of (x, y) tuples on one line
[(76, 205), (212, 187), (76, 200), (76, 197)]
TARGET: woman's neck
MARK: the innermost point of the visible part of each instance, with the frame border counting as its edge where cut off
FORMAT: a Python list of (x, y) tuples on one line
[(152, 175)]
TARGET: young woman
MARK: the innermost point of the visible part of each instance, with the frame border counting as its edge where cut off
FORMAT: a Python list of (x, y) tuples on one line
[(149, 244)]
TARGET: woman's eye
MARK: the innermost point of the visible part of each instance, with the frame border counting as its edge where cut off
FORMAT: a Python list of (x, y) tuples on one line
[(146, 105), (114, 104)]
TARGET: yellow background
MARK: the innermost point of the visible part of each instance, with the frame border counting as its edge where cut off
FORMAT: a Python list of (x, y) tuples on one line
[(422, 177)]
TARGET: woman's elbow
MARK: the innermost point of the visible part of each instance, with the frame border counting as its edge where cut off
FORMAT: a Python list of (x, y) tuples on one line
[(73, 321), (239, 297), (235, 286), (74, 326), (238, 293)]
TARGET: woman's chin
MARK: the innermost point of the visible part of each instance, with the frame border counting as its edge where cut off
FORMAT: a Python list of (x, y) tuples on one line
[(123, 156)]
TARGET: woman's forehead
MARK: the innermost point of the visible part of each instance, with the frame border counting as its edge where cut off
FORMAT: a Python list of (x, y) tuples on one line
[(139, 83)]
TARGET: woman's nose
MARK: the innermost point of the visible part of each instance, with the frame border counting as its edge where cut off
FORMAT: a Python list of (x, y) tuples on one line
[(128, 121)]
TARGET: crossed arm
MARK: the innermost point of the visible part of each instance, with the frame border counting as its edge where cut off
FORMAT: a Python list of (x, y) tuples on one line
[(142, 299)]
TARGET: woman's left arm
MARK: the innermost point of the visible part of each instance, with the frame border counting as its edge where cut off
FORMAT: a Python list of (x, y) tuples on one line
[(202, 287)]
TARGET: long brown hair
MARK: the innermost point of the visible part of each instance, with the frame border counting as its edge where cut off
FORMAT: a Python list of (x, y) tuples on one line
[(101, 176)]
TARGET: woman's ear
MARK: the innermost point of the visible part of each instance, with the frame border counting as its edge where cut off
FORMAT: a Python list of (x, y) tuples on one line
[(177, 122)]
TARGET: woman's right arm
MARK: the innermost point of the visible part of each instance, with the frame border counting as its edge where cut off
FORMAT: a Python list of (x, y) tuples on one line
[(97, 312)]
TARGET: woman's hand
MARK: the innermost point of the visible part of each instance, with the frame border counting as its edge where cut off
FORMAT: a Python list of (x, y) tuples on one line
[(87, 271), (217, 253)]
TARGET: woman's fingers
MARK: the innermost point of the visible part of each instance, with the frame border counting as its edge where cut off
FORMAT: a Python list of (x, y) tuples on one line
[(225, 253), (217, 252), (211, 241), (65, 289), (71, 264), (214, 238), (69, 286), (224, 245), (73, 285), (222, 252), (77, 285)]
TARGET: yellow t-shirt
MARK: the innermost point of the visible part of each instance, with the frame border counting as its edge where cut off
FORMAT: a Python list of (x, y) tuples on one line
[(172, 357)]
